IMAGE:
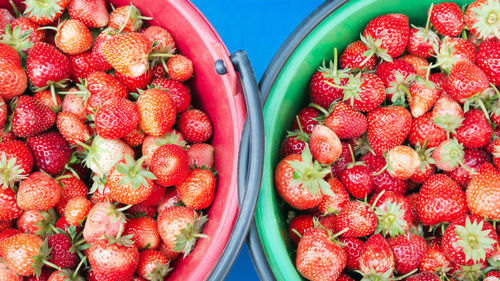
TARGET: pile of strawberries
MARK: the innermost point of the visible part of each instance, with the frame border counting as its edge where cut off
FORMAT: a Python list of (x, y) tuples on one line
[(105, 168), (393, 168)]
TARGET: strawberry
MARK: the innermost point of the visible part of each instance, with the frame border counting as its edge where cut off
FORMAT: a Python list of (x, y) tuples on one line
[(402, 162), (420, 64), (71, 186), (202, 155), (9, 209), (127, 53), (13, 81), (354, 57), (101, 63), (424, 95), (99, 88), (74, 104), (440, 200), (387, 35), (423, 276), (179, 228), (365, 92), (45, 97), (294, 143), (159, 71), (358, 218), (5, 18), (475, 131), (73, 37), (36, 222), (381, 178), (9, 55), (82, 65), (466, 80), (377, 258), (319, 257), (353, 249), (427, 164), (453, 50), (346, 122), (128, 182), (7, 274), (397, 77), (162, 36), (169, 164), (144, 231), (38, 192), (92, 13), (422, 40), (23, 33), (135, 137), (322, 93), (16, 162), (357, 179), (50, 151), (126, 18), (482, 17), (113, 261), (44, 13), (424, 130), (441, 81), (155, 197), (135, 84), (76, 210), (447, 114), (103, 219), (151, 143), (195, 126), (449, 155), (483, 192), (102, 156), (334, 204), (19, 253), (197, 191), (307, 119), (61, 254), (487, 59), (473, 159), (496, 151), (393, 213), (341, 164), (298, 226), (116, 118), (447, 19), (156, 111), (325, 145), (179, 93), (72, 128), (409, 251), (469, 240), (180, 68), (388, 127), (153, 265)]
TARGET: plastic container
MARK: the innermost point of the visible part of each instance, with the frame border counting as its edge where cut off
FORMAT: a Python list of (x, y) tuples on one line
[(284, 86), (221, 97)]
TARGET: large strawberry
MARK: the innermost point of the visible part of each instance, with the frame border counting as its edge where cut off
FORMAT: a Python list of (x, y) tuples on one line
[(354, 57), (103, 219), (466, 80), (13, 81), (387, 35), (16, 162), (197, 191), (128, 53), (144, 231), (475, 131), (38, 192), (92, 13), (116, 118), (103, 154), (364, 91), (377, 259), (358, 218), (19, 252), (409, 251), (113, 260), (483, 18), (483, 192), (393, 213), (51, 152), (179, 92), (31, 117), (424, 130), (346, 122), (156, 111), (388, 127), (447, 18), (488, 59), (153, 265)]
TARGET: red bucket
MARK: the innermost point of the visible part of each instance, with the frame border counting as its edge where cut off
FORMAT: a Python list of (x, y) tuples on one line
[(221, 97)]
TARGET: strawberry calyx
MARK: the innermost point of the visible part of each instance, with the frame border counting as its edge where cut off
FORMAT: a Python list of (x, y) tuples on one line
[(42, 258), (45, 225), (425, 156), (119, 240), (449, 123), (171, 137), (469, 272), (137, 19), (298, 134), (488, 19), (17, 39), (134, 173), (331, 236), (159, 271), (444, 55), (82, 92), (474, 240), (332, 71), (10, 173), (390, 220), (98, 183), (39, 9), (78, 243), (453, 153), (374, 49), (52, 86), (399, 87), (362, 146), (353, 158), (352, 89), (310, 174), (186, 239)]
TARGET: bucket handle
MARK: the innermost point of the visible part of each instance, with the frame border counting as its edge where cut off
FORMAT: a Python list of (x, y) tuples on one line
[(248, 193)]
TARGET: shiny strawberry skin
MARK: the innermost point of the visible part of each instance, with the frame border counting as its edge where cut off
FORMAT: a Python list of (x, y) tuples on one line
[(116, 118), (179, 92), (111, 261), (18, 251), (466, 80), (420, 43), (9, 209), (51, 152), (386, 71), (424, 130), (356, 216), (393, 31), (292, 145), (72, 128), (383, 180), (157, 112), (171, 221), (488, 60), (73, 37), (82, 65), (25, 24), (371, 93), (353, 249), (358, 181), (170, 164), (475, 131), (377, 256), (388, 127), (45, 63), (307, 119), (299, 224), (162, 36), (334, 204), (322, 93), (409, 251), (195, 126), (103, 87), (38, 192), (346, 122), (340, 165), (127, 53), (101, 64), (352, 57), (60, 254), (92, 13), (325, 145), (197, 191), (145, 232), (434, 259), (31, 117), (180, 68), (483, 192), (13, 81), (473, 159), (447, 19)]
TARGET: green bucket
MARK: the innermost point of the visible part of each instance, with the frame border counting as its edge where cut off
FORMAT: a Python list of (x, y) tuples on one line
[(285, 84)]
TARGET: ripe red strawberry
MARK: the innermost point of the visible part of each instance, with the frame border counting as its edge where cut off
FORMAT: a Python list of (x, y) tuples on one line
[(334, 204), (9, 55), (421, 41), (135, 137), (71, 186), (38, 192), (197, 191), (353, 248), (441, 81), (103, 219), (145, 232), (72, 128), (36, 222), (179, 92), (16, 162), (51, 152), (466, 80), (434, 260), (473, 159), (483, 192), (487, 59), (307, 118), (74, 104), (341, 164), (388, 127), (447, 19), (45, 97), (99, 88), (180, 68), (153, 265), (18, 253), (423, 276), (129, 182), (420, 64), (127, 53), (113, 261), (159, 71), (73, 37), (319, 257), (325, 145), (427, 164), (320, 88), (424, 95), (61, 254), (7, 274), (195, 126), (397, 77), (357, 179), (424, 130), (151, 143), (116, 118), (469, 240), (82, 65), (440, 200), (24, 42), (135, 84), (482, 17), (126, 19), (162, 36), (387, 35), (300, 181), (155, 197), (346, 122), (13, 81), (381, 178), (5, 18), (364, 92), (294, 143), (409, 251), (101, 63), (358, 217), (202, 155), (354, 57), (453, 50), (299, 224), (9, 209), (47, 66), (77, 209), (393, 213), (170, 164), (92, 13), (475, 131), (377, 258), (47, 12), (157, 112), (179, 228), (169, 199)]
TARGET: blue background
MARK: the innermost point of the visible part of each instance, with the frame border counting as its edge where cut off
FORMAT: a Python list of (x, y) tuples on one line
[(259, 27)]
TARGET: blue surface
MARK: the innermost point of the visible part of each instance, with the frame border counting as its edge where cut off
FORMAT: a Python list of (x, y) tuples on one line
[(259, 27)]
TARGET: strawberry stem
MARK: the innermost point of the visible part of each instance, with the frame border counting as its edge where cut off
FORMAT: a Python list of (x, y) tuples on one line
[(427, 23), (51, 265), (335, 61), (75, 273), (405, 89), (320, 108), (495, 89), (161, 55), (15, 9), (340, 233), (352, 154), (378, 198)]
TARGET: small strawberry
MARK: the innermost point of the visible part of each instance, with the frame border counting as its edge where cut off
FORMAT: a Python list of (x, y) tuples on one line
[(113, 260), (99, 88), (354, 57), (103, 219), (135, 137), (180, 68), (61, 253), (447, 114), (397, 77), (103, 154), (482, 18), (38, 192), (195, 126), (74, 104), (447, 19), (23, 33), (422, 40), (197, 191), (322, 93), (382, 179), (72, 128), (424, 130), (487, 59), (307, 119), (387, 35), (126, 19), (19, 253), (156, 111), (71, 186), (179, 92), (13, 81), (393, 213), (334, 204), (153, 265), (466, 80), (358, 218), (162, 36), (377, 259), (409, 251), (144, 231), (364, 92), (346, 122), (434, 260), (483, 192), (453, 50), (424, 95), (440, 200), (170, 164), (9, 209), (202, 155), (325, 145), (76, 210), (402, 162), (151, 143), (73, 37), (388, 127), (298, 226), (50, 151), (424, 276), (44, 13), (45, 97), (357, 179), (116, 118), (82, 65), (475, 131), (92, 13), (127, 53), (16, 162)]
